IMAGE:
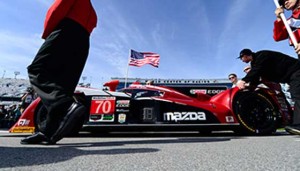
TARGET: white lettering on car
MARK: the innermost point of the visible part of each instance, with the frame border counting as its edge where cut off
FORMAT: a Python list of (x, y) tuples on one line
[(214, 91), (184, 116), (23, 122)]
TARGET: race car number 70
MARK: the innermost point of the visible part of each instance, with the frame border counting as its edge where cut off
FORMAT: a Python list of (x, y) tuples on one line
[(103, 105)]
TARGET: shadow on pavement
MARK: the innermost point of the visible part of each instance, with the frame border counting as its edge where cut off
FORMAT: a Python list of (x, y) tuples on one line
[(33, 155)]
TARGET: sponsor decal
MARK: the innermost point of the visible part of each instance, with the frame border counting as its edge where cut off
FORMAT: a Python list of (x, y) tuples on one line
[(194, 91), (24, 129), (108, 117), (206, 91), (214, 91), (122, 103), (101, 118), (103, 98), (184, 116), (122, 110), (229, 119), (122, 118), (23, 122)]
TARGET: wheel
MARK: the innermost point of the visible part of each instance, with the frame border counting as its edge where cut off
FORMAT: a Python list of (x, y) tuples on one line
[(256, 114), (40, 117)]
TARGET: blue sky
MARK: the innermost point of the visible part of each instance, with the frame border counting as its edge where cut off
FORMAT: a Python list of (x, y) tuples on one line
[(196, 39)]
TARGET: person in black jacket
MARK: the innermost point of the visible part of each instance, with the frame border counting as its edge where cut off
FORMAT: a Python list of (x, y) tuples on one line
[(276, 67)]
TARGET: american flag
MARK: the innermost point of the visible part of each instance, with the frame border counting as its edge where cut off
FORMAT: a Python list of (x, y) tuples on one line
[(141, 58)]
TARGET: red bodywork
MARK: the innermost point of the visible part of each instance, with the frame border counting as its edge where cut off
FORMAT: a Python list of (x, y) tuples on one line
[(219, 105), (26, 121)]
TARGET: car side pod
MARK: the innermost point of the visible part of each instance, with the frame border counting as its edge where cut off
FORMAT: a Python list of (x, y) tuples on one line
[(202, 96)]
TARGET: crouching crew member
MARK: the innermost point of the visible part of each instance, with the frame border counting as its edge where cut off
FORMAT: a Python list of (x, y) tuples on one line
[(276, 67)]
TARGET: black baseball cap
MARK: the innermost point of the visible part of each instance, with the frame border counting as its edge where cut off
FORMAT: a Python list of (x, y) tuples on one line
[(245, 52), (281, 2)]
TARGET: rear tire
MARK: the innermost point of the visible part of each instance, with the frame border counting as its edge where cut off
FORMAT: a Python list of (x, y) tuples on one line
[(256, 114)]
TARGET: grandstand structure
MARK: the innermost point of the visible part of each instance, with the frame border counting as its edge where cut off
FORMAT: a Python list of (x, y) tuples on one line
[(13, 86), (12, 89), (124, 82)]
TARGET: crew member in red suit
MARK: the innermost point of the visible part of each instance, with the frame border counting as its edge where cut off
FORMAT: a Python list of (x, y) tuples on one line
[(57, 66), (279, 31)]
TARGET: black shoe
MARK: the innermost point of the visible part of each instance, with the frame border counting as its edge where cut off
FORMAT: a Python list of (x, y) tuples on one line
[(293, 129), (37, 138), (75, 112)]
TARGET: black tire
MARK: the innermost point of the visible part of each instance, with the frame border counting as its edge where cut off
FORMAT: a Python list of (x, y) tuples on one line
[(256, 114), (40, 117)]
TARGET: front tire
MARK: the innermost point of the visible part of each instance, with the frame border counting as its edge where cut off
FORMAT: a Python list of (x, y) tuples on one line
[(40, 117), (256, 114)]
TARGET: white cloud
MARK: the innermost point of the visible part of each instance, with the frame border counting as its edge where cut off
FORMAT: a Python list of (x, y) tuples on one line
[(17, 51), (112, 40)]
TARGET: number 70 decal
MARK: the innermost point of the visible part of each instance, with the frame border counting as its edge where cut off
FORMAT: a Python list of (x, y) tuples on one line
[(103, 105)]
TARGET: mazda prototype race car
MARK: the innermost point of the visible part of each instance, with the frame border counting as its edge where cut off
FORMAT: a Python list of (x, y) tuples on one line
[(258, 111)]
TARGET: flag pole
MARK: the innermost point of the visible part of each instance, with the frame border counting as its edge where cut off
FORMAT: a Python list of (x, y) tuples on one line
[(288, 28), (127, 69)]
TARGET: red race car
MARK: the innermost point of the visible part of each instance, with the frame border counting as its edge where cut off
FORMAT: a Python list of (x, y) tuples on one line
[(158, 108)]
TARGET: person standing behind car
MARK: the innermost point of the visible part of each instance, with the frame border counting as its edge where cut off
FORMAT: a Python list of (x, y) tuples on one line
[(27, 98), (233, 78), (56, 69), (279, 30), (2, 115), (276, 67), (150, 82)]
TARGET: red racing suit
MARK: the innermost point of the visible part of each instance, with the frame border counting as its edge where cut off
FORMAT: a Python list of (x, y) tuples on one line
[(280, 32), (80, 11)]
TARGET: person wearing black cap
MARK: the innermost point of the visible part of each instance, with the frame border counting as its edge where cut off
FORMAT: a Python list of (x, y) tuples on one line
[(279, 30), (276, 67)]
